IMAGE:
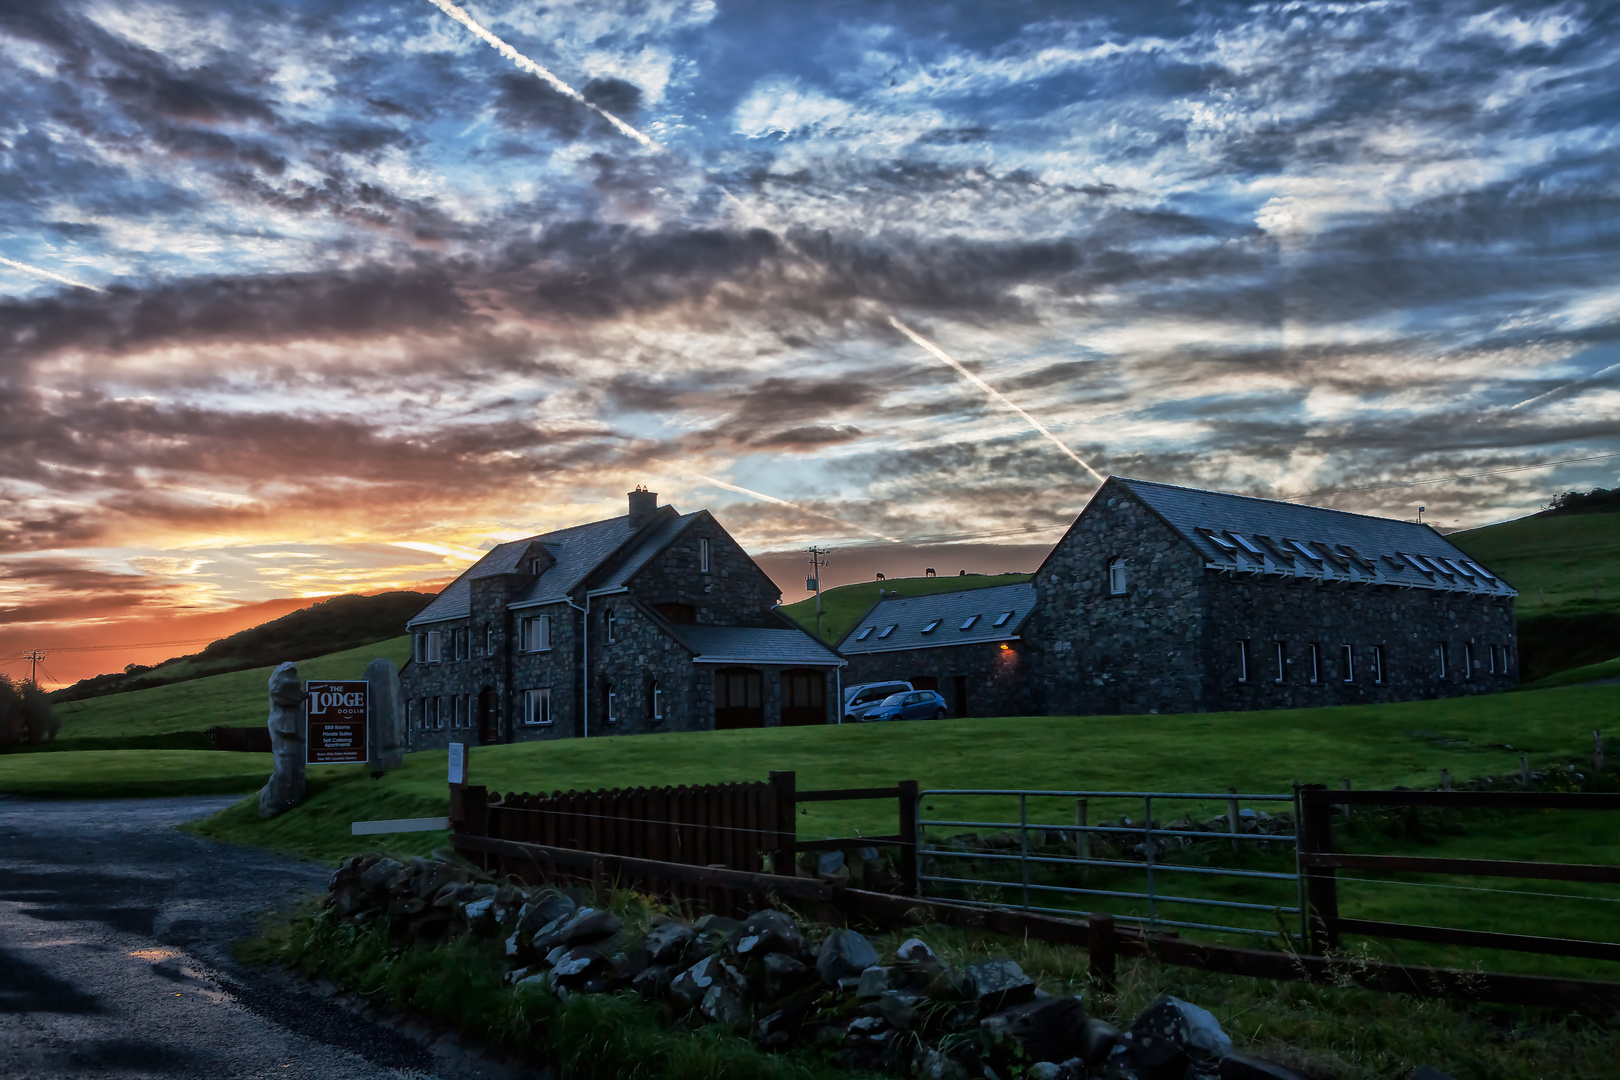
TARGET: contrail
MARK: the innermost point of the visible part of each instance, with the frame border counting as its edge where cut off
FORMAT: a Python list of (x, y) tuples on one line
[(942, 355), (762, 497), (25, 268), (525, 64), (1566, 386)]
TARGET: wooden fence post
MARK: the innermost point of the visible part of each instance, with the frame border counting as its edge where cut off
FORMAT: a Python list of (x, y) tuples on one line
[(1321, 887), (1100, 950), (909, 840), (784, 788)]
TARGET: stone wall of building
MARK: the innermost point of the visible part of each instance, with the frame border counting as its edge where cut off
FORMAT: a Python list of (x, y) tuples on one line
[(1395, 636), (997, 680), (1138, 652), (641, 653), (734, 591)]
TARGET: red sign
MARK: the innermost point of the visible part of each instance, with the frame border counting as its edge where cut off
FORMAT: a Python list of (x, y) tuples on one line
[(337, 722)]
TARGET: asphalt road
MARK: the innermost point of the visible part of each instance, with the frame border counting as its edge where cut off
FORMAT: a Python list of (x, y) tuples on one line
[(114, 957)]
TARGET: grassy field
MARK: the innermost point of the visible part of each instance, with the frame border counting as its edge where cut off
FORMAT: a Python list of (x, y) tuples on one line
[(842, 608), (1608, 669), (1564, 564), (118, 774), (237, 699)]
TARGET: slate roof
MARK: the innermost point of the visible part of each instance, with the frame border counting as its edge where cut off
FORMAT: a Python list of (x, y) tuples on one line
[(656, 539), (1244, 534), (578, 551), (754, 645), (911, 615)]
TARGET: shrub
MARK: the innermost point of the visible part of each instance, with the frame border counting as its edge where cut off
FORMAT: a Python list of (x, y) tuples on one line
[(26, 716)]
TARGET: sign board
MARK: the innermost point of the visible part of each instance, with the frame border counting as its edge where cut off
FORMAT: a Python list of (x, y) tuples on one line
[(337, 722), (458, 763)]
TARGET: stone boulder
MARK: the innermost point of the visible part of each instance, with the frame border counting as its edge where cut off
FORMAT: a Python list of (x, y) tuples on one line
[(766, 932), (995, 984), (1046, 1029), (844, 955), (285, 788)]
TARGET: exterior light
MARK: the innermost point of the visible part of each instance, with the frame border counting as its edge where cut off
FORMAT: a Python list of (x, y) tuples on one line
[(1006, 647)]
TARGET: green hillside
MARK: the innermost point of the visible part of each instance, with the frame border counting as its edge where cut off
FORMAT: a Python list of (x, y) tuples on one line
[(174, 716), (842, 608), (1567, 570)]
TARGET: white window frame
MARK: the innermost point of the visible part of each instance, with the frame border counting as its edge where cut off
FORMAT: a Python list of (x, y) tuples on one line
[(1378, 665), (703, 554), (609, 625), (435, 647), (1243, 660), (1469, 662), (489, 639), (657, 697), (612, 705), (1282, 662), (535, 632), (1502, 660), (438, 713), (1316, 663), (1347, 653), (1117, 584), (537, 707), (1440, 655)]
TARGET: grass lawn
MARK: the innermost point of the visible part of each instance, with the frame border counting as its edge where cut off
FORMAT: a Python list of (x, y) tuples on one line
[(116, 774), (842, 608), (1608, 669), (237, 699)]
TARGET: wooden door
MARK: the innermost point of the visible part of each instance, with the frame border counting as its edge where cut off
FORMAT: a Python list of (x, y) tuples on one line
[(739, 699)]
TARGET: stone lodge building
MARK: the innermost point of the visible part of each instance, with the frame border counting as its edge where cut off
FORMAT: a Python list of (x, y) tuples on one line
[(655, 621), (966, 645), (1169, 599)]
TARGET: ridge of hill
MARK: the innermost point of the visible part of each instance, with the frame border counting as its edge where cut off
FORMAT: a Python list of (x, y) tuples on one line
[(334, 624), (843, 606), (1566, 567)]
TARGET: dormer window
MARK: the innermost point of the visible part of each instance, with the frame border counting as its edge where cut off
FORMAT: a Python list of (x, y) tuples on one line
[(864, 634), (968, 625), (887, 630), (1116, 577), (534, 567), (1001, 620), (931, 627)]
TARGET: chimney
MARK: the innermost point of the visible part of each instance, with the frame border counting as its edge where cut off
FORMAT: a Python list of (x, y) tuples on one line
[(643, 506)]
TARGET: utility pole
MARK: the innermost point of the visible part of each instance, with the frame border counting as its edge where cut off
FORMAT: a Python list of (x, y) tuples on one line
[(818, 562), (34, 656)]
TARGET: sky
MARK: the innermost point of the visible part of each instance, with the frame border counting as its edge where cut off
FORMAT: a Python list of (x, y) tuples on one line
[(318, 297)]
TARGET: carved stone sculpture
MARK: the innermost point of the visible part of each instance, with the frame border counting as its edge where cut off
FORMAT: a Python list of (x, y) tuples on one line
[(385, 734), (287, 734)]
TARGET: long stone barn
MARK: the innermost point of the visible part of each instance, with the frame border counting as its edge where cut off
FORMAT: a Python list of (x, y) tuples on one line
[(1170, 599), (654, 621)]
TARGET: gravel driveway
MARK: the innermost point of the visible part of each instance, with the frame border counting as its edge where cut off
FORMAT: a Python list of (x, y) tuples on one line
[(114, 962)]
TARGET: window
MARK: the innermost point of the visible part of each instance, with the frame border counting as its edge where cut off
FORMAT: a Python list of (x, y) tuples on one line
[(419, 648), (413, 713), (438, 712), (534, 634), (931, 627), (537, 706), (655, 700), (1378, 664), (1490, 659), (534, 567), (1469, 663), (1243, 660), (1440, 657), (1001, 620), (865, 633), (1502, 660), (435, 647), (703, 555), (609, 621), (1282, 662), (1347, 657), (1116, 577), (968, 625), (887, 630), (461, 643), (489, 640), (612, 698), (1316, 663)]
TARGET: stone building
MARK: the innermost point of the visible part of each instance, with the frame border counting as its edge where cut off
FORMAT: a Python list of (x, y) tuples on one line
[(1169, 599), (655, 621), (966, 645)]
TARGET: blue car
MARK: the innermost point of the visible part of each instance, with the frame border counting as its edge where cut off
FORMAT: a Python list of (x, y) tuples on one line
[(911, 705)]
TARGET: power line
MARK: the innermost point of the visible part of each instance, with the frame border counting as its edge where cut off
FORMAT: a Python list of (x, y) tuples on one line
[(1444, 479), (140, 645)]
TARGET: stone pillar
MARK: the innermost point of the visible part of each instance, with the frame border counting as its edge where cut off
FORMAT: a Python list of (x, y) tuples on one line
[(385, 723), (287, 734)]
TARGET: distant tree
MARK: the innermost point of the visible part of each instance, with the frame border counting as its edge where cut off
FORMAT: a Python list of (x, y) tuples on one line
[(26, 716), (1596, 501)]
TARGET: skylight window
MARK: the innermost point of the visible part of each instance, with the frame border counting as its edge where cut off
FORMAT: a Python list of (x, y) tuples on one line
[(864, 634), (968, 625), (1250, 548), (1457, 567), (1001, 620), (1304, 548), (1480, 570), (1220, 540), (931, 627), (1418, 564), (887, 630)]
